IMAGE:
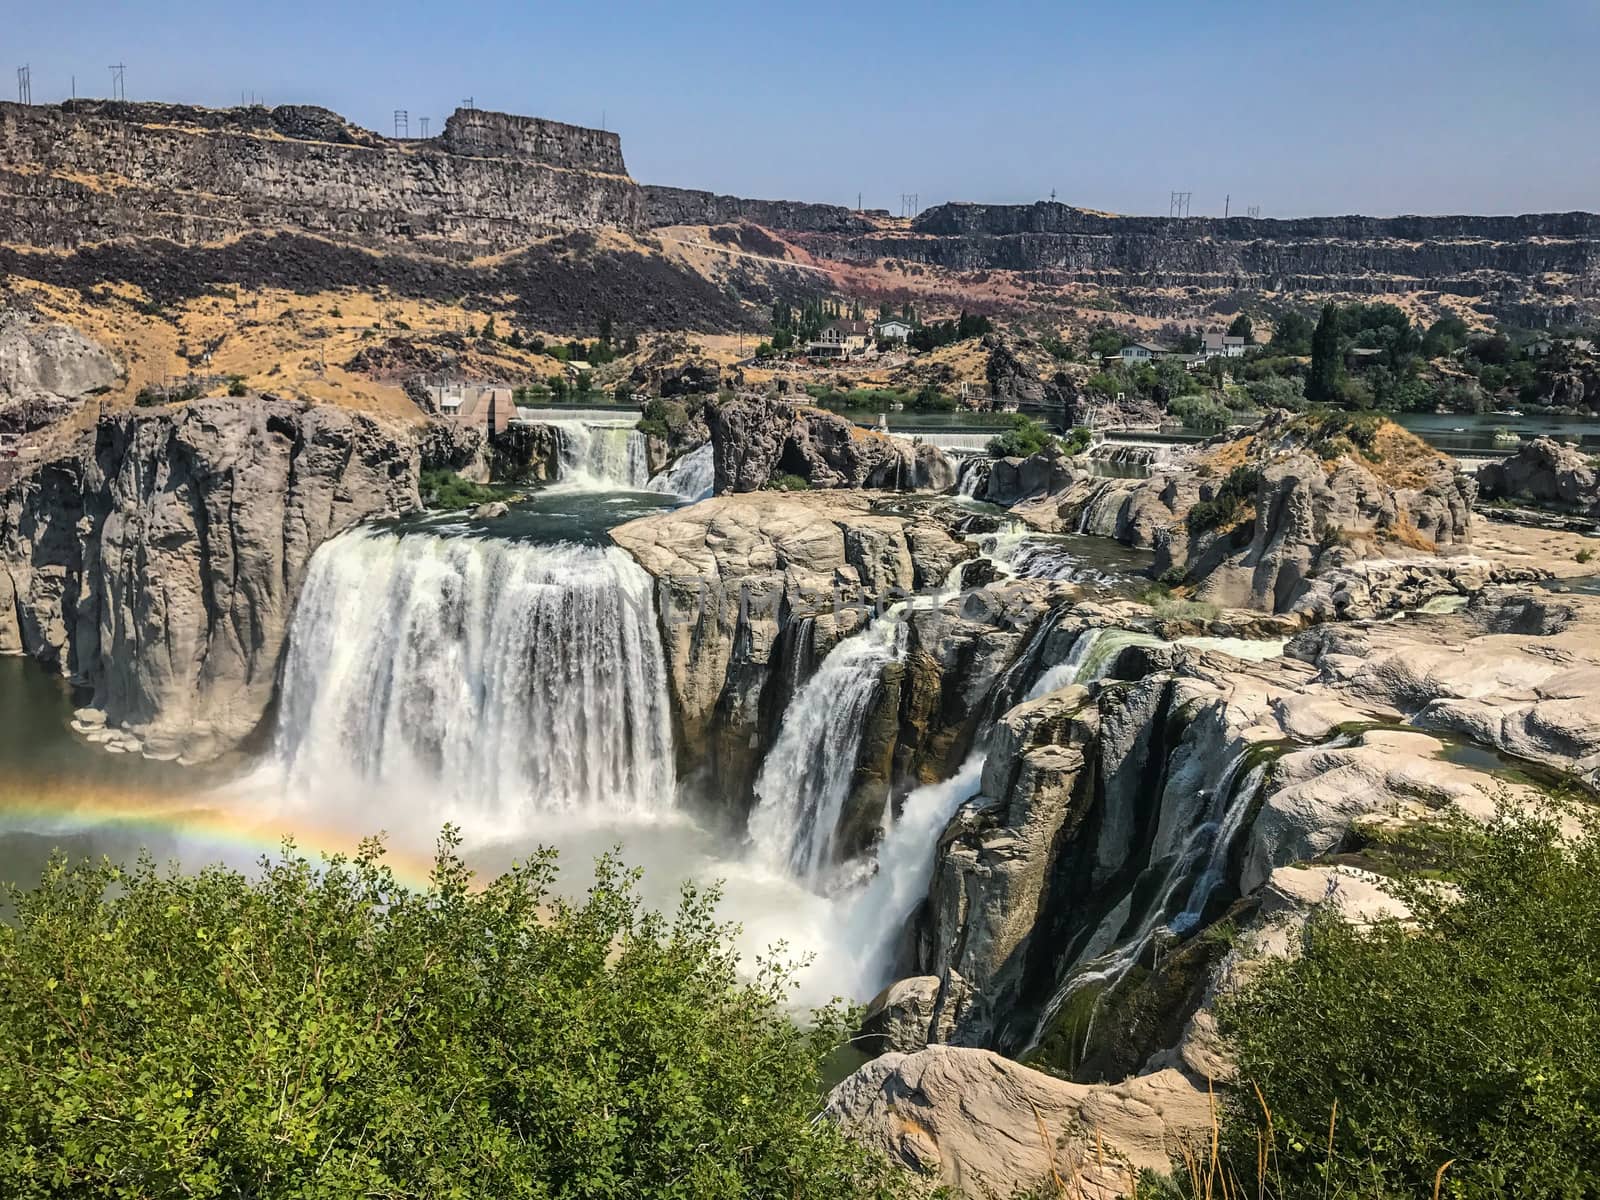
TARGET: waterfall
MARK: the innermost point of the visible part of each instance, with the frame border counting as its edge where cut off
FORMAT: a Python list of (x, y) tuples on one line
[(805, 779), (971, 475), (693, 476), (603, 456), (477, 679)]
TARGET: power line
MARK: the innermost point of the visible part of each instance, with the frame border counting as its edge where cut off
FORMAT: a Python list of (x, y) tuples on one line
[(423, 121), (119, 81), (24, 85), (1178, 206), (402, 123)]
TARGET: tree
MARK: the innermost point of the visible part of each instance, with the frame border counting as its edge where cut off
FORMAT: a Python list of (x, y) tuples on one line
[(1105, 342), (489, 334), (324, 1031), (1292, 335), (1327, 365), (1025, 437), (1445, 336), (1243, 327), (1457, 1035)]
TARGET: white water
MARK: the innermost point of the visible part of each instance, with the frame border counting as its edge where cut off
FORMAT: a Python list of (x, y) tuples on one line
[(693, 476), (971, 475), (805, 779), (603, 457), (487, 682)]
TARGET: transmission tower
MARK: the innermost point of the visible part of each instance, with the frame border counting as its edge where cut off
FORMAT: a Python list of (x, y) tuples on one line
[(423, 122), (402, 123), (1253, 211), (1179, 204), (24, 85), (119, 81)]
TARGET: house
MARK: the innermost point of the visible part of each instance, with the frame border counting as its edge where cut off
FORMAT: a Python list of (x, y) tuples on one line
[(893, 330), (1138, 353), (841, 339), (1220, 345)]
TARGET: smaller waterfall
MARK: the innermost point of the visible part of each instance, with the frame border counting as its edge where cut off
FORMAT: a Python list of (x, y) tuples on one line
[(603, 456), (693, 476), (971, 475), (877, 914), (805, 779), (1090, 657)]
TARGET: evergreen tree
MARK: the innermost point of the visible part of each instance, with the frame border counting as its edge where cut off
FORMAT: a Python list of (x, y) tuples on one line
[(1243, 327), (1322, 384)]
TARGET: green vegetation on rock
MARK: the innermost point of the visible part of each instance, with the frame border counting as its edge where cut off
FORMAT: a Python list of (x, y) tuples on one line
[(442, 488), (1026, 436)]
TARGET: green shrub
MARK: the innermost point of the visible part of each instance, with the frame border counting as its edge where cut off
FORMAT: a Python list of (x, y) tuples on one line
[(1467, 1036), (1202, 413), (236, 387), (1237, 491), (788, 483), (1026, 436), (324, 1031), (441, 488)]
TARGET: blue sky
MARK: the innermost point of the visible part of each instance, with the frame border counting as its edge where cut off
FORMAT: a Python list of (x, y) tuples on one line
[(1301, 108)]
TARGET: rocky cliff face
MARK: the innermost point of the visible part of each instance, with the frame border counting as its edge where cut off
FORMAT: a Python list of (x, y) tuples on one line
[(685, 206), (92, 171), (757, 439), (754, 590), (158, 561)]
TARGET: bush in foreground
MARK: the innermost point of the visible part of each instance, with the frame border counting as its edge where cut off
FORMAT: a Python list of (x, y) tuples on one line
[(1460, 1052), (325, 1031)]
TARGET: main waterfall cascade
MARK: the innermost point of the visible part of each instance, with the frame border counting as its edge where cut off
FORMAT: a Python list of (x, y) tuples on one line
[(492, 681)]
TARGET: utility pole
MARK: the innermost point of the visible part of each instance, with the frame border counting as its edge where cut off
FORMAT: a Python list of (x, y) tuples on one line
[(24, 85), (402, 123), (1253, 212), (423, 121), (1178, 206), (119, 81), (1227, 205)]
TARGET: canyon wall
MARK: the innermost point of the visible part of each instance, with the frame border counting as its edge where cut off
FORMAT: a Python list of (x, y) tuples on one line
[(85, 172), (1535, 266), (156, 561), (686, 206)]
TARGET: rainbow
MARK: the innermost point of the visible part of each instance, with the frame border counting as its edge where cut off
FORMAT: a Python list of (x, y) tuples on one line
[(207, 827)]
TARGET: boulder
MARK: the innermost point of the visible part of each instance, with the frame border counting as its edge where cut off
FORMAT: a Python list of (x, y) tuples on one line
[(1544, 472), (989, 1127), (46, 368)]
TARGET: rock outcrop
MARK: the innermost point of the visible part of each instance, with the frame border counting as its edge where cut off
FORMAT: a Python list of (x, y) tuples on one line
[(158, 561), (1251, 522), (1544, 472), (90, 171), (46, 368), (686, 206), (758, 439), (753, 591), (989, 1127)]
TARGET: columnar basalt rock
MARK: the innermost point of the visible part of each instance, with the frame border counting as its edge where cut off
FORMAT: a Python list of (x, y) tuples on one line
[(88, 172)]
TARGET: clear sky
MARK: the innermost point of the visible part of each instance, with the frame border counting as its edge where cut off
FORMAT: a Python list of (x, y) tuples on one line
[(1301, 108)]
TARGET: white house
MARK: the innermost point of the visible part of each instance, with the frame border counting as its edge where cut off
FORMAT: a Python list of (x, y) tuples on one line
[(1220, 345), (1138, 353), (893, 330), (841, 339)]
